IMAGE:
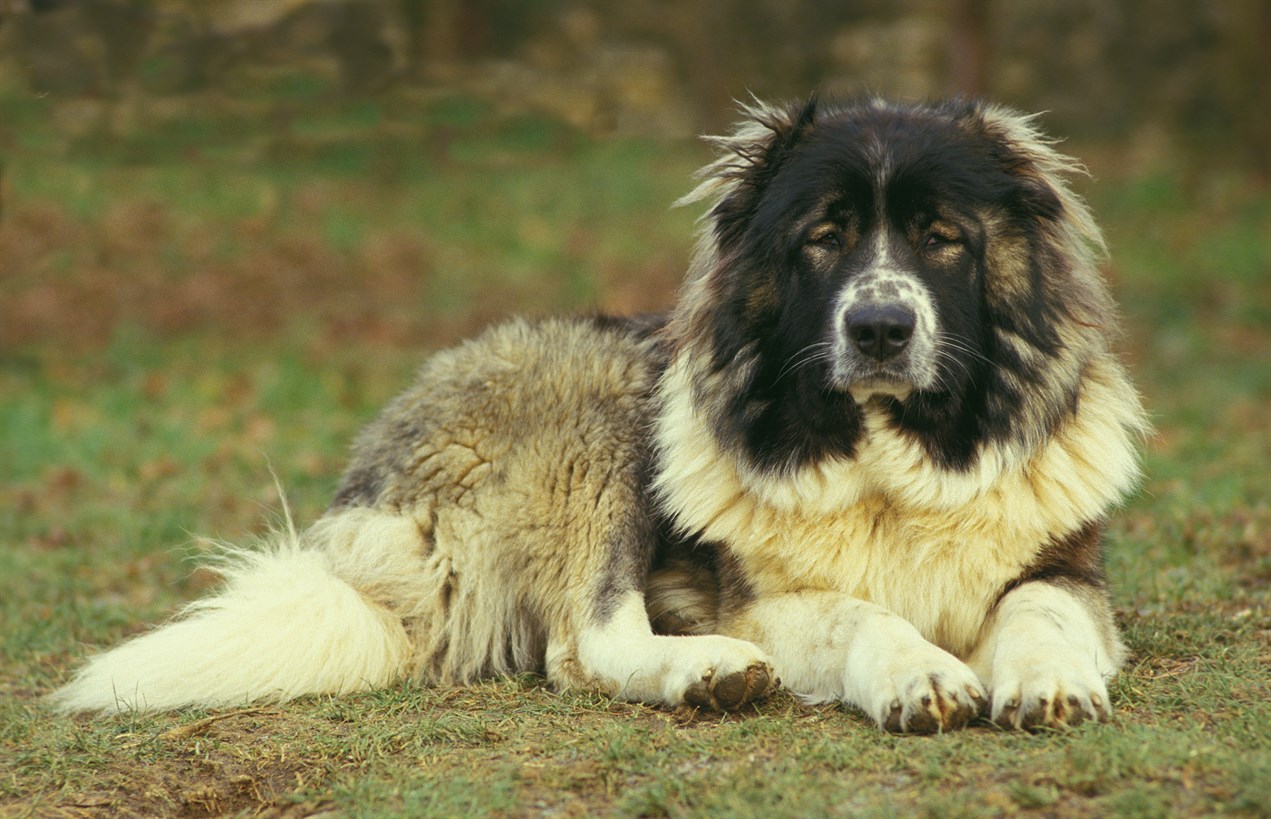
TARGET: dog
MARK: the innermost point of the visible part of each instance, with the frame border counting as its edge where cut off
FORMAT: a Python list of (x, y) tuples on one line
[(868, 456)]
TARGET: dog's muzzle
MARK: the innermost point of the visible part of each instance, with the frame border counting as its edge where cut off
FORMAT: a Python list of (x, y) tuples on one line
[(883, 336)]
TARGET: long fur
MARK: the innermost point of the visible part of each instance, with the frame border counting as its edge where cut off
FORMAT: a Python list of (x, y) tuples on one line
[(282, 625), (681, 510)]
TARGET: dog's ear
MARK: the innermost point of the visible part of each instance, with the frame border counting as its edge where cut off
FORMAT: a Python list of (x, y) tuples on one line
[(760, 145), (1051, 291), (1042, 172), (749, 158)]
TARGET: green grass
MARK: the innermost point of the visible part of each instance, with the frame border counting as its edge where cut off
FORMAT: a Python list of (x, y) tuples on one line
[(223, 290)]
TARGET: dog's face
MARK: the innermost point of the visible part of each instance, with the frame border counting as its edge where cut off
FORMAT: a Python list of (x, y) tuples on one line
[(880, 229), (912, 259)]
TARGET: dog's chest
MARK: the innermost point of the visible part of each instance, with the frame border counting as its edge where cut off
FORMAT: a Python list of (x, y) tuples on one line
[(889, 525), (940, 571)]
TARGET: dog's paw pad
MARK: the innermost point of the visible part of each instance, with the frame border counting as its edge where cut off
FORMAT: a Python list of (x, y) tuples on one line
[(728, 692)]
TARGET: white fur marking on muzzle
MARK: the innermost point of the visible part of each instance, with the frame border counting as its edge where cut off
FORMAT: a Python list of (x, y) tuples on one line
[(897, 302)]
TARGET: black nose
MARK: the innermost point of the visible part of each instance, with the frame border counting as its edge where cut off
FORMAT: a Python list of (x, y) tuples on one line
[(880, 331)]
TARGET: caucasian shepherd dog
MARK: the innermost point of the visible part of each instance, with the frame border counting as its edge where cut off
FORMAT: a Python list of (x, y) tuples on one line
[(870, 454)]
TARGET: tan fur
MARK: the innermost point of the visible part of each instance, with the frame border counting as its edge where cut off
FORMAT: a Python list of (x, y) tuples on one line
[(869, 526), (502, 515), (505, 476), (282, 626)]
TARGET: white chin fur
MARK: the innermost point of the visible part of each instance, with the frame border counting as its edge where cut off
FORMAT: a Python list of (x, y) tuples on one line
[(863, 391)]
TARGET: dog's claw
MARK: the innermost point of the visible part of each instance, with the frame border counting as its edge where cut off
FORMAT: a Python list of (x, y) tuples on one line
[(942, 707)]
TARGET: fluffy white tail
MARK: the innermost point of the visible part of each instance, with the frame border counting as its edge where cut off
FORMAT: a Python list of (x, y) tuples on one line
[(283, 625)]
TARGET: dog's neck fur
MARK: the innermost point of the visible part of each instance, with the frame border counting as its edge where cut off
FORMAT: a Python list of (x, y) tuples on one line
[(831, 525), (697, 479)]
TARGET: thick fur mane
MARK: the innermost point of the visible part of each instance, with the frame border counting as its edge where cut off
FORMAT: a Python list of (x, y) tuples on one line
[(1039, 349)]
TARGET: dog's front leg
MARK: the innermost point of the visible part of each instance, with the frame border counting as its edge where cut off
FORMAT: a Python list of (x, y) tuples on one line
[(1048, 650), (830, 646)]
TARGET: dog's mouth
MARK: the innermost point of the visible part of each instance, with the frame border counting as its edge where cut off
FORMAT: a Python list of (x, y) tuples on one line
[(880, 386), (866, 380)]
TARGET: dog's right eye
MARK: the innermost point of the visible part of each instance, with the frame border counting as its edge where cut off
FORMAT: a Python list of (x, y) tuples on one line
[(827, 238)]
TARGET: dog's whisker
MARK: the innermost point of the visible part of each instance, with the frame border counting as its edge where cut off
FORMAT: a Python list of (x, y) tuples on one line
[(817, 351)]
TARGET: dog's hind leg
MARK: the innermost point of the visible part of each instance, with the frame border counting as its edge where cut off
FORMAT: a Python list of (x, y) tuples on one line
[(605, 640), (618, 653)]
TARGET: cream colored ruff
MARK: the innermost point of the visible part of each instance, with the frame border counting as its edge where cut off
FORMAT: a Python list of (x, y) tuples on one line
[(932, 545)]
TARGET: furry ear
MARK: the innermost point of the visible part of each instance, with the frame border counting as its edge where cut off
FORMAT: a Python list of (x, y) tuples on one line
[(1032, 158), (748, 159)]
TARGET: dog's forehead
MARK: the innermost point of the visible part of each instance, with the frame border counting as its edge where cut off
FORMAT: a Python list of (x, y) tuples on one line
[(871, 137), (879, 154)]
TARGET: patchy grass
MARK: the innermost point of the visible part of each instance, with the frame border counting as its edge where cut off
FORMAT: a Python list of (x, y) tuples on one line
[(191, 300)]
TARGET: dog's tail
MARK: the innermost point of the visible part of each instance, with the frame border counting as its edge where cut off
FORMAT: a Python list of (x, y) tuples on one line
[(284, 624)]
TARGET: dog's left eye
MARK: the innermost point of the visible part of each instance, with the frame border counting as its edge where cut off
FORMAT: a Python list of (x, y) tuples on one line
[(826, 240), (935, 241)]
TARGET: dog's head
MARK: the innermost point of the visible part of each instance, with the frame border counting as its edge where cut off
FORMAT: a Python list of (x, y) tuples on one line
[(926, 260)]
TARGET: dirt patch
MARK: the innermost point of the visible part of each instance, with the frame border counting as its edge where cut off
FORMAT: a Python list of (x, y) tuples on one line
[(222, 765)]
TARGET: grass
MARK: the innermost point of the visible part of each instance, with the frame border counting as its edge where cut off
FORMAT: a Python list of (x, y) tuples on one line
[(189, 301)]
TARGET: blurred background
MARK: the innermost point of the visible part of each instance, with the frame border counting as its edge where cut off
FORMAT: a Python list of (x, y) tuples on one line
[(234, 227), (231, 229), (398, 168), (234, 165)]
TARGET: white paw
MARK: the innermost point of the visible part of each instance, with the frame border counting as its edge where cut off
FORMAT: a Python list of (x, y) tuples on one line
[(921, 689), (1048, 688), (718, 673), (624, 657)]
